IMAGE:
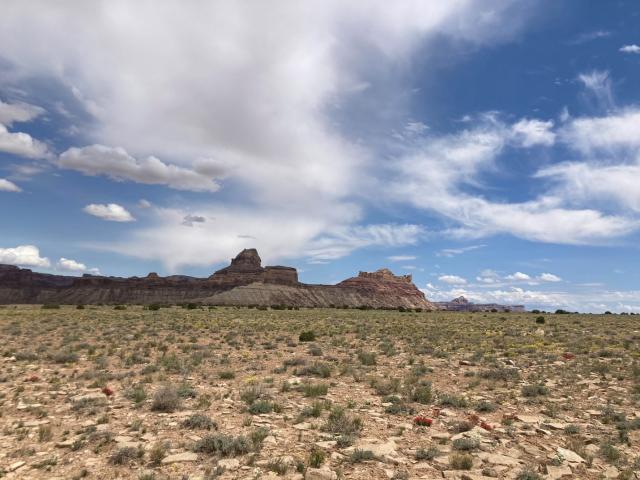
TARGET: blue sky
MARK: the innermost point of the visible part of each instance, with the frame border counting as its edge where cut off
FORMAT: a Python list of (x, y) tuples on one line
[(491, 149)]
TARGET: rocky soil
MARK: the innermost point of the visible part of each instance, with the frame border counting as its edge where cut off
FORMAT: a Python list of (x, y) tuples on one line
[(235, 393)]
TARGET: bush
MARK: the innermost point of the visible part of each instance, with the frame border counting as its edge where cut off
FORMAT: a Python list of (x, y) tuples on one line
[(227, 375), (224, 445), (361, 456), (452, 400), (50, 307), (261, 406), (166, 400), (316, 458), (307, 336), (315, 389), (461, 461), (540, 319), (534, 390), (422, 394), (465, 444), (124, 455), (429, 454), (157, 453), (528, 475), (341, 422), (367, 358), (199, 422)]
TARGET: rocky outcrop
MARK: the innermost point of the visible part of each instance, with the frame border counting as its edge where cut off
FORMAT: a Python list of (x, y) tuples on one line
[(244, 282), (461, 304)]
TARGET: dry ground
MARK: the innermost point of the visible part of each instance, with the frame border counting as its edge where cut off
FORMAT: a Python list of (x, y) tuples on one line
[(226, 393)]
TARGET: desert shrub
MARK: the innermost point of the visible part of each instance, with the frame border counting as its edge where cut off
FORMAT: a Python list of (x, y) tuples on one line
[(307, 336), (124, 455), (486, 406), (367, 358), (528, 475), (540, 319), (422, 393), (251, 394), (316, 369), (166, 399), (261, 406), (157, 453), (465, 444), (500, 373), (278, 466), (429, 454), (199, 421), (572, 429), (315, 389), (50, 306), (461, 461), (609, 452), (64, 357), (534, 390), (44, 433), (224, 445), (136, 394), (452, 400), (359, 455), (343, 423), (227, 375), (316, 458)]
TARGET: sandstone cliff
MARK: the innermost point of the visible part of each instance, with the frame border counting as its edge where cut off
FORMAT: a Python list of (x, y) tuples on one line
[(244, 282)]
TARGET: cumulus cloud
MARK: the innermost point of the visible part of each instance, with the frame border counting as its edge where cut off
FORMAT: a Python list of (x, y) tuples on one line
[(615, 133), (21, 144), (18, 112), (117, 164), (633, 48), (549, 277), (518, 276), (69, 265), (452, 279), (111, 212), (8, 186), (24, 256)]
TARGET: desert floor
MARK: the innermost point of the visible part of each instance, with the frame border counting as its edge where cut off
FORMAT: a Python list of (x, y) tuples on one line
[(178, 393)]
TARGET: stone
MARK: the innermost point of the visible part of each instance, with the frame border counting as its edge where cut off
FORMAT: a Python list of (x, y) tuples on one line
[(229, 464), (569, 455), (496, 459), (556, 473), (320, 474), (180, 457), (15, 466)]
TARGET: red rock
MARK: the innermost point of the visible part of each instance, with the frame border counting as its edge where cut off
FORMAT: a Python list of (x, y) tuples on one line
[(107, 391)]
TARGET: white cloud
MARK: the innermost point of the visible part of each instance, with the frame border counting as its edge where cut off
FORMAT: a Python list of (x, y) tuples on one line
[(111, 212), (452, 252), (24, 255), (452, 279), (18, 112), (281, 70), (21, 144), (598, 83), (532, 132), (401, 258), (7, 186), (549, 277), (69, 265), (607, 134), (633, 48), (117, 164), (518, 276)]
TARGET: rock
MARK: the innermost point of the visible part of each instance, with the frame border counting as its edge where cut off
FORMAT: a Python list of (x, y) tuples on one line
[(180, 457), (93, 397), (15, 466), (569, 455), (530, 418), (555, 473), (229, 464), (320, 474), (496, 459)]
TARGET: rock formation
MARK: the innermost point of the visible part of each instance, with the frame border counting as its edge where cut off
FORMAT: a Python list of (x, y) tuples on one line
[(244, 282), (461, 304)]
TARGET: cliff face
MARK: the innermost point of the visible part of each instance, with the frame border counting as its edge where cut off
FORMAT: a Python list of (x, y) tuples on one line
[(244, 282)]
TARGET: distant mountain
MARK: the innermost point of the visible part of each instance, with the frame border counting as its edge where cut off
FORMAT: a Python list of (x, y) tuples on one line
[(244, 282), (461, 304)]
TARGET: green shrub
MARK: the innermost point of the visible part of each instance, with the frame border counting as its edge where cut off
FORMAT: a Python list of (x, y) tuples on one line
[(367, 358), (461, 461), (315, 389), (199, 421), (343, 423), (224, 445), (361, 456), (307, 336), (534, 390), (166, 399), (316, 458)]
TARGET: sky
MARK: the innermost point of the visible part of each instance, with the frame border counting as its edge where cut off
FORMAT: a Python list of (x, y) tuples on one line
[(489, 148)]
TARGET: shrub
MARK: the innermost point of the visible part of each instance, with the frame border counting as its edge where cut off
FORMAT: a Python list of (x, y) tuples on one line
[(528, 475), (341, 422), (465, 444), (316, 458), (307, 336), (50, 307), (367, 358), (609, 452), (136, 394), (486, 406), (315, 389), (224, 445), (126, 454), (534, 390), (199, 422), (461, 461), (251, 394), (166, 399), (422, 394), (361, 456), (429, 454), (452, 400), (540, 319), (44, 433), (261, 406), (157, 453), (227, 375), (317, 369)]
